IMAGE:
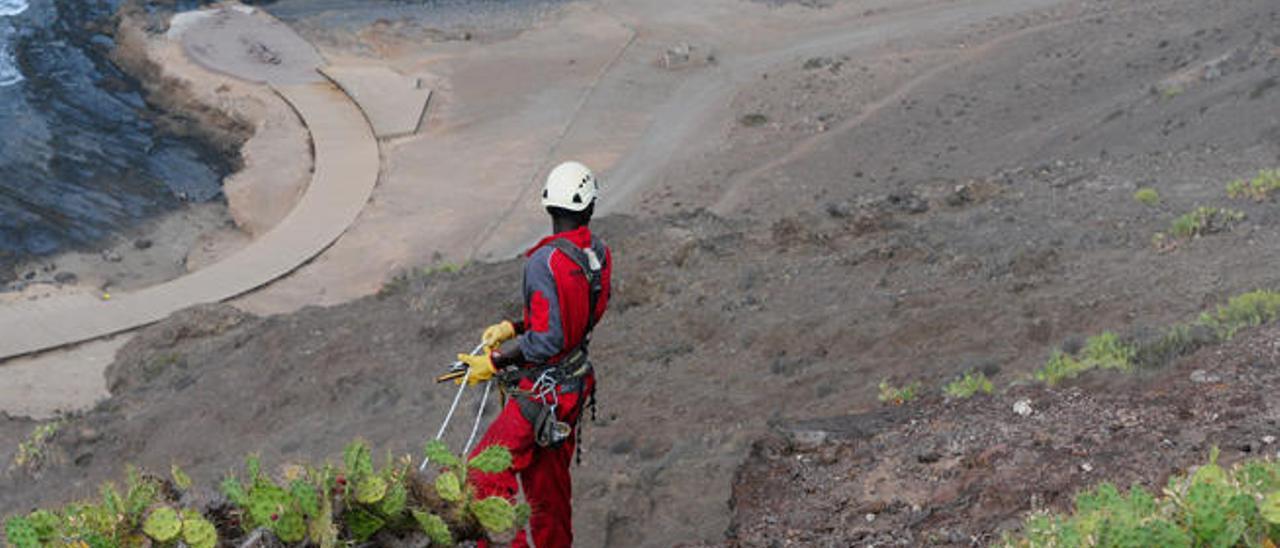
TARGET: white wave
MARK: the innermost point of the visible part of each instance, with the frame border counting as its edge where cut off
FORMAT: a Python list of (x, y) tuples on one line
[(9, 73), (12, 7)]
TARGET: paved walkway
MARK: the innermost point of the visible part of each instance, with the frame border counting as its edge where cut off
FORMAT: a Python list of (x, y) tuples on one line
[(393, 103), (346, 170)]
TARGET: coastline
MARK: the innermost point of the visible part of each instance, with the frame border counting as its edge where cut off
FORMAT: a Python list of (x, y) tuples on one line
[(247, 123)]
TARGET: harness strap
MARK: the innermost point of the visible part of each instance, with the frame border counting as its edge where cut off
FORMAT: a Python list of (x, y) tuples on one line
[(592, 268)]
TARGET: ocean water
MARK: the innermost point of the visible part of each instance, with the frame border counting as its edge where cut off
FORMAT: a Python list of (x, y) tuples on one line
[(440, 14), (81, 156)]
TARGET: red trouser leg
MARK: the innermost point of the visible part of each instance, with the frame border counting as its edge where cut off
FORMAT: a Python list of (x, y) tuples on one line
[(548, 489), (544, 472)]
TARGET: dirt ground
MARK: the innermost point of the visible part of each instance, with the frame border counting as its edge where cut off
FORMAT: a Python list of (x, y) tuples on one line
[(959, 473), (902, 205)]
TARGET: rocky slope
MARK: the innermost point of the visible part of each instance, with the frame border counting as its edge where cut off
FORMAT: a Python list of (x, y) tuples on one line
[(925, 231), (958, 473)]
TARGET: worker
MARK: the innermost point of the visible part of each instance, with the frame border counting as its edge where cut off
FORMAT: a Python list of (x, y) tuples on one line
[(547, 371)]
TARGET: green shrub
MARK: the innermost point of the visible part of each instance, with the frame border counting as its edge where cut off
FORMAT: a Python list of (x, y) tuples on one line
[(1061, 366), (1259, 188), (1204, 221), (1108, 351), (1247, 310), (314, 506), (897, 396), (754, 119), (34, 451), (968, 385), (1104, 351), (1212, 507), (1147, 196)]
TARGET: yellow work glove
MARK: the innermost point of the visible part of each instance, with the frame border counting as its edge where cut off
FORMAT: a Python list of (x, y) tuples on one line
[(479, 368), (497, 334)]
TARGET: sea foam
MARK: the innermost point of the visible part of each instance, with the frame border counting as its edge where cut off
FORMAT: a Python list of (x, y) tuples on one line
[(9, 73), (12, 7)]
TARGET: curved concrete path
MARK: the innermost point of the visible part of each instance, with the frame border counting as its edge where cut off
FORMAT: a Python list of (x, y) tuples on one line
[(347, 163)]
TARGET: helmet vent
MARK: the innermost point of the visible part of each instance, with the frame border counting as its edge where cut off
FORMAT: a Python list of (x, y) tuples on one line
[(577, 198), (544, 193)]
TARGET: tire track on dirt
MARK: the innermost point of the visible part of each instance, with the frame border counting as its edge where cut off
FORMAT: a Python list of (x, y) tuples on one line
[(733, 193)]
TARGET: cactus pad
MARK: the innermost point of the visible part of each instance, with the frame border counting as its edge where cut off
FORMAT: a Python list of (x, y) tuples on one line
[(234, 492), (358, 459), (448, 487), (394, 502), (362, 524), (21, 534), (163, 524), (197, 532), (435, 528), (492, 460), (305, 496), (495, 514), (180, 479), (291, 528), (523, 511), (439, 453), (371, 490), (265, 500)]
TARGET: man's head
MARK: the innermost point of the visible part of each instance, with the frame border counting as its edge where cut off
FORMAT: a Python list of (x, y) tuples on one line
[(570, 194)]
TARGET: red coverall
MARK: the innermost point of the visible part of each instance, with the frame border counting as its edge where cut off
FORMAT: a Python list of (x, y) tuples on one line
[(556, 299)]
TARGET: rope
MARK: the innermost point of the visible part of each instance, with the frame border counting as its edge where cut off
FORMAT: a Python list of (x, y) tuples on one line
[(454, 407), (466, 450)]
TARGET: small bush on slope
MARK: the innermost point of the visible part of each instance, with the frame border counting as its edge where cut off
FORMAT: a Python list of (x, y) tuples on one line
[(1259, 188), (1105, 351), (894, 395), (1109, 351), (968, 385), (1212, 507), (1147, 196)]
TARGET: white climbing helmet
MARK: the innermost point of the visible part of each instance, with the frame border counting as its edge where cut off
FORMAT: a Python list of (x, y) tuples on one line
[(570, 186)]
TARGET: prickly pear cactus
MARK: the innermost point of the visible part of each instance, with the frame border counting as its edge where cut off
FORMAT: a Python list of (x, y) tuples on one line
[(266, 500), (393, 503), (45, 523), (495, 514), (371, 490), (448, 487), (523, 511), (197, 532), (291, 527), (321, 528), (234, 491), (180, 479), (435, 528), (163, 524), (21, 534), (439, 453), (492, 460), (305, 496), (358, 459), (363, 524)]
